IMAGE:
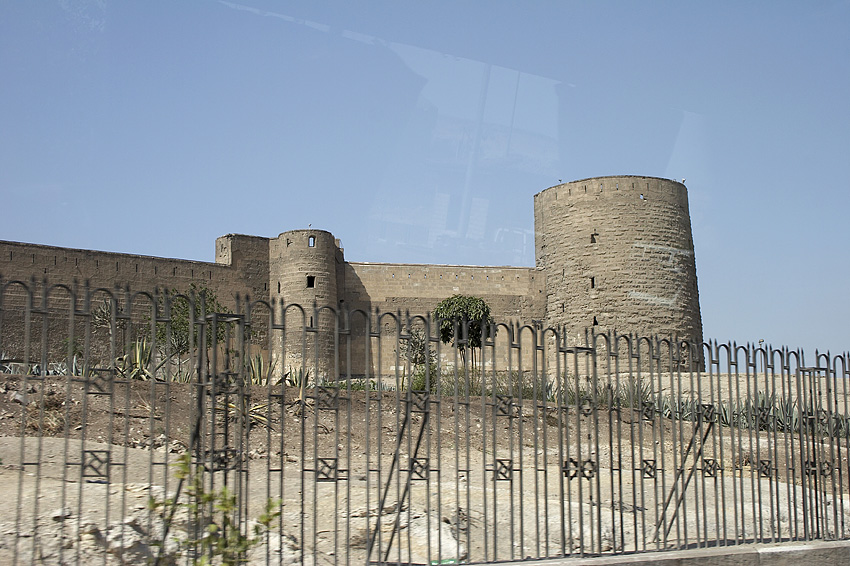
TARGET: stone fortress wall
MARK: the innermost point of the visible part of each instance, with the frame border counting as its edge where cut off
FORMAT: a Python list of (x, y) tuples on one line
[(612, 253)]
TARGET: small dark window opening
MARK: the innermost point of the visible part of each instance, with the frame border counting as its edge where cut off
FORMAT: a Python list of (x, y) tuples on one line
[(311, 281), (593, 238), (278, 287), (593, 282), (311, 241), (311, 322), (595, 322)]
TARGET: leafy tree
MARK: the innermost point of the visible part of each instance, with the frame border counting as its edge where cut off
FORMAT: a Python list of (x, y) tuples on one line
[(460, 309)]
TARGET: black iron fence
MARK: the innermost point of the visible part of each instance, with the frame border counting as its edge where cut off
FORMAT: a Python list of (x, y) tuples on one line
[(138, 427)]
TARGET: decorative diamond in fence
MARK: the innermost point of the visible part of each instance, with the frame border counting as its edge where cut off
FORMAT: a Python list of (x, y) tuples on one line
[(504, 469), (570, 468), (506, 407), (96, 463), (419, 468), (766, 468), (586, 408), (222, 383), (710, 467), (826, 469), (327, 398), (708, 413), (765, 418), (222, 460), (648, 469), (810, 468), (648, 411), (419, 401), (326, 470), (99, 381)]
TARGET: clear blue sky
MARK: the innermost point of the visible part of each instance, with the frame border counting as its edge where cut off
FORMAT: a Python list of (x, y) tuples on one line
[(420, 131)]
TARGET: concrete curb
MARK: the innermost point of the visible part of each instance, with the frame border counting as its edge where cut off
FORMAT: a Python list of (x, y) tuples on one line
[(815, 553)]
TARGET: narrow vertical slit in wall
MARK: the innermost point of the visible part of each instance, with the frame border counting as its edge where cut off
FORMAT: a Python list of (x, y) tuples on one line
[(593, 282), (311, 322), (595, 322), (278, 287), (116, 266), (311, 282), (593, 238)]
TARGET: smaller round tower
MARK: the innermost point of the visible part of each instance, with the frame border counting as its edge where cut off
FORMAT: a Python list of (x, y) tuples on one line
[(303, 271)]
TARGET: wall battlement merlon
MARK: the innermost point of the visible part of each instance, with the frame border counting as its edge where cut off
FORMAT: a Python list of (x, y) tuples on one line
[(27, 248), (632, 186), (444, 266)]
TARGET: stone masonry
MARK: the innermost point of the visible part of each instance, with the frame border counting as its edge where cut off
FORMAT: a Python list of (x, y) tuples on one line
[(612, 253)]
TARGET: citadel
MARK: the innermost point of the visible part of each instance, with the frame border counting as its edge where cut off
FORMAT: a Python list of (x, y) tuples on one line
[(612, 253)]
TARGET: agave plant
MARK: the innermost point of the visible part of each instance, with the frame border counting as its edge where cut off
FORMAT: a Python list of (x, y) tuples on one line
[(136, 363), (250, 414), (261, 372)]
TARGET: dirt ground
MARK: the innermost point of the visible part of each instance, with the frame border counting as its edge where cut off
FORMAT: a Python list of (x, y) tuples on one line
[(475, 479)]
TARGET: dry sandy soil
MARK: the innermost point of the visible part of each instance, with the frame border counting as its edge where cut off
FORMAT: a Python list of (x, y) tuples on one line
[(493, 485)]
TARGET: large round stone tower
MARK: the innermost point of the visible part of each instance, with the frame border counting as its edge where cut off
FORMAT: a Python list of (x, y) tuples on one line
[(303, 271), (618, 254)]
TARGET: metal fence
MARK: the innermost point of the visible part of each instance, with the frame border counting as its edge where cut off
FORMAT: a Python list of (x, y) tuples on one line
[(137, 427)]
